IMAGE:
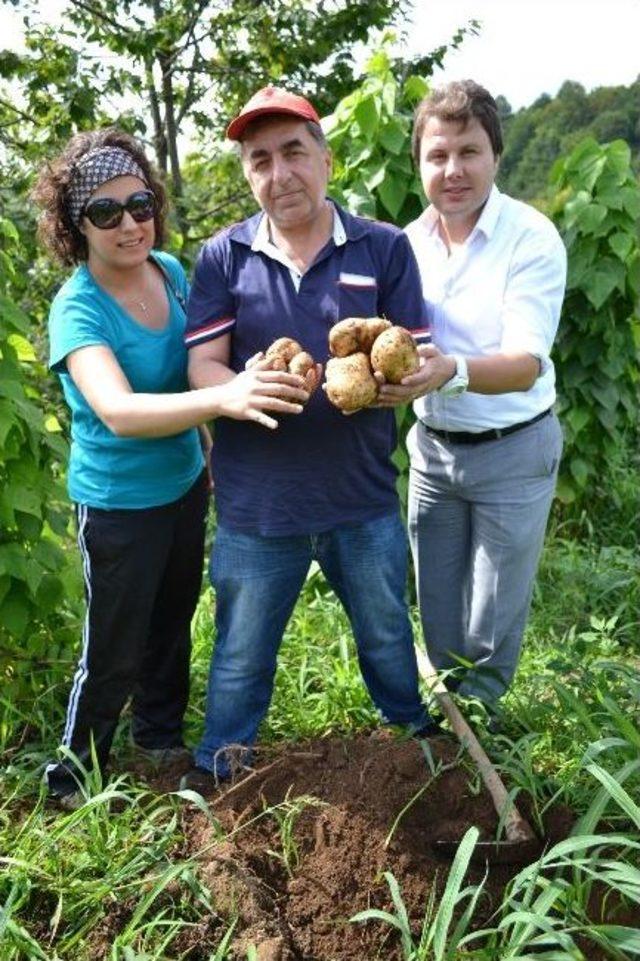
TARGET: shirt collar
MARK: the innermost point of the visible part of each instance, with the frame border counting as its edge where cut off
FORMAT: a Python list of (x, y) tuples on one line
[(345, 227), (486, 223), (262, 241)]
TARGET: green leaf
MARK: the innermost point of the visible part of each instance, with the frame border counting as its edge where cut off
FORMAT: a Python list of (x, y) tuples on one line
[(21, 498), (608, 395), (13, 561), (393, 136), (374, 177), (392, 192), (49, 593), (565, 490), (590, 217), (608, 419), (621, 244), (28, 525), (15, 613), (415, 88), (367, 116), (580, 471), (24, 350), (577, 417), (12, 314), (600, 282), (619, 156), (7, 420), (631, 201)]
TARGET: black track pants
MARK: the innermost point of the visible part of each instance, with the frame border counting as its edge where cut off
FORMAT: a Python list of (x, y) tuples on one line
[(142, 572)]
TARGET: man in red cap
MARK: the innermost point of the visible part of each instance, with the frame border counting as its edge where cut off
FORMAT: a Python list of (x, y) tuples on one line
[(321, 486)]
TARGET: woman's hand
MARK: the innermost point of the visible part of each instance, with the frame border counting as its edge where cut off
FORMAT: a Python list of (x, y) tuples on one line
[(257, 390)]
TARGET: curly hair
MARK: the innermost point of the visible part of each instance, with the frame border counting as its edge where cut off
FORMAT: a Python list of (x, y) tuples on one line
[(458, 101), (56, 230)]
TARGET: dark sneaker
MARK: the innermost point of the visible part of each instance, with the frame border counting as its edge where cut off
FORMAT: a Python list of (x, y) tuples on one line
[(430, 729), (160, 757), (71, 801), (201, 781), (495, 723)]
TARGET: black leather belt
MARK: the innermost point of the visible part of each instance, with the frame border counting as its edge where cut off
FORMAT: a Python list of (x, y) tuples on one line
[(468, 437)]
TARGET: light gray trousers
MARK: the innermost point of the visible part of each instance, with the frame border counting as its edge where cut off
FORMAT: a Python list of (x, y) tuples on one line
[(477, 518)]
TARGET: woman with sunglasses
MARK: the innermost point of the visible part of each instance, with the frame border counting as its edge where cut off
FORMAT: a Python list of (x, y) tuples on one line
[(136, 472)]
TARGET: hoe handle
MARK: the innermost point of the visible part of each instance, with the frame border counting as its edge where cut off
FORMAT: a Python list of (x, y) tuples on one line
[(516, 828)]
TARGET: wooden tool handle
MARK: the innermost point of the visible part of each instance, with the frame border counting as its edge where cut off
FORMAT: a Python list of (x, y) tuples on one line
[(515, 826)]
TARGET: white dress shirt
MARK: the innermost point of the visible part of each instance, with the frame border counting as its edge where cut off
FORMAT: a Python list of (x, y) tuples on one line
[(499, 293)]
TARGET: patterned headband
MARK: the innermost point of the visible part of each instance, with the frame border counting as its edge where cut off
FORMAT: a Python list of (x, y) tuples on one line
[(94, 169)]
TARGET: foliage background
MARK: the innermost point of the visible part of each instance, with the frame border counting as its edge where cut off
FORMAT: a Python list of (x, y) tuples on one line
[(160, 69), (570, 715)]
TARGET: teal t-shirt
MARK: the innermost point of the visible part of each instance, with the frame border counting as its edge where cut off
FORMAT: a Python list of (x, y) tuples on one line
[(107, 471)]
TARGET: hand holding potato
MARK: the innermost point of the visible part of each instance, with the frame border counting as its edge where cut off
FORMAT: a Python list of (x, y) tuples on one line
[(257, 390), (368, 352), (435, 369), (286, 354)]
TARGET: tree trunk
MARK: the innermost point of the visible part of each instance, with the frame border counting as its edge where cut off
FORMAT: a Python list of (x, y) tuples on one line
[(169, 128)]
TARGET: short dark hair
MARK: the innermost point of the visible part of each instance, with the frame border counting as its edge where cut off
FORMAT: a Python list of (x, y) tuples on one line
[(314, 128), (56, 229), (458, 101)]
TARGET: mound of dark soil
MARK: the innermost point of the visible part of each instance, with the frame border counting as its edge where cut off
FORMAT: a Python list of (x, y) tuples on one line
[(310, 831)]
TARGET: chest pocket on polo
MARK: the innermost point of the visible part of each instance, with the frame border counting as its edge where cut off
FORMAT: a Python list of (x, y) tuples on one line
[(357, 295)]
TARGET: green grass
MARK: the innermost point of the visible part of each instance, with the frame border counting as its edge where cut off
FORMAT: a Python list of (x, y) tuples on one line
[(571, 734)]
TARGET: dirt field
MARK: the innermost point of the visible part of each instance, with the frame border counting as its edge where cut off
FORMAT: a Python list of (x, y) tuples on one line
[(296, 874)]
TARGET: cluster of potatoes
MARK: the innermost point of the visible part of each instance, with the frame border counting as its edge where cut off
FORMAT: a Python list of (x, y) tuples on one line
[(359, 346), (286, 354)]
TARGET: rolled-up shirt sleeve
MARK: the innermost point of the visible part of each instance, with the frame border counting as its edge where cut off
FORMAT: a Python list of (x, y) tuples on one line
[(211, 305), (533, 296)]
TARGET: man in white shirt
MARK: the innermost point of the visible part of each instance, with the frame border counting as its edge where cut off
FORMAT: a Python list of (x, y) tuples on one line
[(486, 446)]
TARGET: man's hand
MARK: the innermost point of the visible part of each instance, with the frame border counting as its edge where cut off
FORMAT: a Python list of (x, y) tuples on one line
[(435, 370)]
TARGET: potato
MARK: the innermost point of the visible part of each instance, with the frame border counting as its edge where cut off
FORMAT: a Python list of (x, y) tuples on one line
[(355, 334), (281, 351), (368, 329), (304, 366), (394, 354), (343, 337), (350, 382), (286, 354)]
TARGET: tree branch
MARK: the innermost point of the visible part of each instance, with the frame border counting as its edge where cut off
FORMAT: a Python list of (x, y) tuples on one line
[(21, 113), (96, 12)]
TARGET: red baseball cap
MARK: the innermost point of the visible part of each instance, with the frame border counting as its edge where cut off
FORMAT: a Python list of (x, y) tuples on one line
[(271, 100)]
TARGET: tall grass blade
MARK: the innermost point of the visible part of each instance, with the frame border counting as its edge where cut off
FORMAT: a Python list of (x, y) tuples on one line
[(589, 820), (450, 897), (616, 791), (625, 940)]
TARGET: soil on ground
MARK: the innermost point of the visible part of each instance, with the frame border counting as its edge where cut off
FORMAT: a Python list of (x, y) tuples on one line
[(298, 845)]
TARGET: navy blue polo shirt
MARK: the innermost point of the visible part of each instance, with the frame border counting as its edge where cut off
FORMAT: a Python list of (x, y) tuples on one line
[(319, 469)]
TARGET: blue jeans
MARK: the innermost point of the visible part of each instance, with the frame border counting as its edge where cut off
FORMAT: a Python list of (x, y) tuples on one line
[(257, 581)]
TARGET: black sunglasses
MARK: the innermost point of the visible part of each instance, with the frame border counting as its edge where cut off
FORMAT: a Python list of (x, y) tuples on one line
[(105, 212)]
